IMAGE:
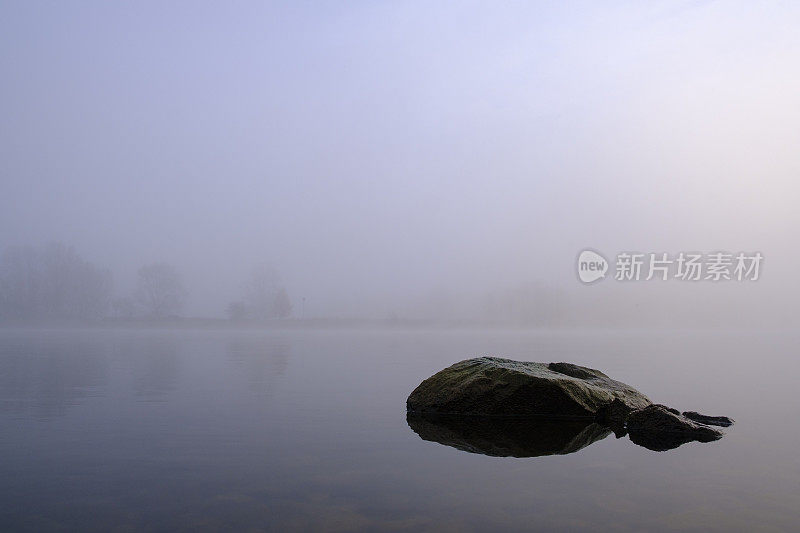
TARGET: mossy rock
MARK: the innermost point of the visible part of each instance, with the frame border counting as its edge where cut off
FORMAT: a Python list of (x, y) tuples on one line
[(496, 387)]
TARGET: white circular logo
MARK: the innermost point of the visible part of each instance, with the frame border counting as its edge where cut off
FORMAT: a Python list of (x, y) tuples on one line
[(591, 266)]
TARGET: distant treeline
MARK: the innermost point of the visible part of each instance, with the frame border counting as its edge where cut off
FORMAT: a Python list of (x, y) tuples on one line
[(53, 282)]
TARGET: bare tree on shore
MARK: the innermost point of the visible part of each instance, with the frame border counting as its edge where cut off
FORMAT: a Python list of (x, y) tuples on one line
[(160, 290)]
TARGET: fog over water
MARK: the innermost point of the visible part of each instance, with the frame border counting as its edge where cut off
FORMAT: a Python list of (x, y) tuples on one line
[(237, 237), (409, 160)]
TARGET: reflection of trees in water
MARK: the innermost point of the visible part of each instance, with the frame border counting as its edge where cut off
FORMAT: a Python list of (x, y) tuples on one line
[(155, 365), (44, 376), (263, 360)]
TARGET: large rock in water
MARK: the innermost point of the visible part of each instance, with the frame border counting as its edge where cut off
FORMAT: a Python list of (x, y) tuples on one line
[(491, 386)]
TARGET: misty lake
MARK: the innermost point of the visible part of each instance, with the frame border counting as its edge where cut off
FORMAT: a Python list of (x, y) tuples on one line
[(121, 430)]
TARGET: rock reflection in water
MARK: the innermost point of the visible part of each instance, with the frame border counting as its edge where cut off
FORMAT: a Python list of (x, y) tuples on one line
[(533, 437), (508, 437), (665, 441)]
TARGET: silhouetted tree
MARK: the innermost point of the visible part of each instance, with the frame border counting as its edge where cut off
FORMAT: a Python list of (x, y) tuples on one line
[(237, 311), (160, 290), (260, 291), (21, 283), (281, 306), (54, 282), (265, 296)]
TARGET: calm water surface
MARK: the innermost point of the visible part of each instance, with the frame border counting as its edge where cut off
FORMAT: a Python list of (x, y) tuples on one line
[(306, 430)]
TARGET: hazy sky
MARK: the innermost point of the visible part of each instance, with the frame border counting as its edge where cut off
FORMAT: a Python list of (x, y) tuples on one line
[(374, 151)]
